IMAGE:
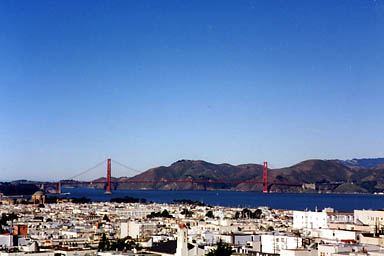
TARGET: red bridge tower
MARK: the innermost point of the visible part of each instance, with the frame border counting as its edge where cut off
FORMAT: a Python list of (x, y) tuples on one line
[(265, 177), (108, 190)]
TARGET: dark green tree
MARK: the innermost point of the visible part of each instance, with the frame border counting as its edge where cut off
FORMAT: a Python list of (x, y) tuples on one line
[(12, 216), (186, 212), (122, 244), (245, 213), (126, 199), (248, 214), (4, 219), (258, 213), (104, 244), (222, 249), (105, 218), (81, 200), (209, 214), (163, 214)]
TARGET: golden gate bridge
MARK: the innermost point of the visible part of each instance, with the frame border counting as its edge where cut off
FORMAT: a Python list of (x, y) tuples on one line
[(108, 182)]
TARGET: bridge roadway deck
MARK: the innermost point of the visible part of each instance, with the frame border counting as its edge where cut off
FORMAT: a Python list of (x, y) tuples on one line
[(173, 181)]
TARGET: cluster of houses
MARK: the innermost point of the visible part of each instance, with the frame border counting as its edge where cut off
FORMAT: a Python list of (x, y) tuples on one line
[(185, 230)]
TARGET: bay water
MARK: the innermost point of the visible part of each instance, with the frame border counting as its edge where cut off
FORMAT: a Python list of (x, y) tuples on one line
[(294, 201)]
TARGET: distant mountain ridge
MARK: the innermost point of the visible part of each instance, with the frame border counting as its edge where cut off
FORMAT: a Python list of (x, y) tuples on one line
[(364, 162), (317, 175)]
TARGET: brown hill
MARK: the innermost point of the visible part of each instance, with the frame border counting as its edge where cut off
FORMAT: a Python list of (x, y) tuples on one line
[(312, 171), (194, 170)]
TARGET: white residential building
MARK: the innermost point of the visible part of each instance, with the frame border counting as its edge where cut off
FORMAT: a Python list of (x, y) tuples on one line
[(137, 229), (140, 229), (273, 243), (309, 220), (124, 226), (334, 235), (369, 217), (298, 252), (6, 240), (344, 249)]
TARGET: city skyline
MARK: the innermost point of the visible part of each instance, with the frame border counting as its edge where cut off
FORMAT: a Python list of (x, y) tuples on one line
[(148, 83)]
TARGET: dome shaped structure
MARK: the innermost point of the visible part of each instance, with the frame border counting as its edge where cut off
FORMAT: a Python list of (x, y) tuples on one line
[(38, 197)]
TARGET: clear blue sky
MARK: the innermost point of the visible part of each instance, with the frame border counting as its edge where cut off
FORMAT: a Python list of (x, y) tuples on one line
[(150, 82)]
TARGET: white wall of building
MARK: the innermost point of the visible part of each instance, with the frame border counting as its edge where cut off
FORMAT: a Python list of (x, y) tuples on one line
[(309, 220), (340, 217), (182, 241), (141, 230), (329, 250), (369, 217), (271, 243), (334, 235), (298, 252), (124, 226), (242, 239), (6, 241)]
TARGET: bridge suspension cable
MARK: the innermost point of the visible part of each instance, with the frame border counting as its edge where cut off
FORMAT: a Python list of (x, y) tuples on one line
[(126, 166), (88, 170)]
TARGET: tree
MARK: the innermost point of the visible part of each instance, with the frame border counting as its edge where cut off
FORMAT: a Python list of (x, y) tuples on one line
[(222, 249), (165, 214), (104, 244), (4, 219), (258, 213), (126, 199), (105, 218), (186, 212), (209, 214), (248, 214), (81, 200), (12, 216), (122, 244)]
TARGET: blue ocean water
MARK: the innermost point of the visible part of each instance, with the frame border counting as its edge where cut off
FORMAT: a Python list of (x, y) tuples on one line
[(340, 202)]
